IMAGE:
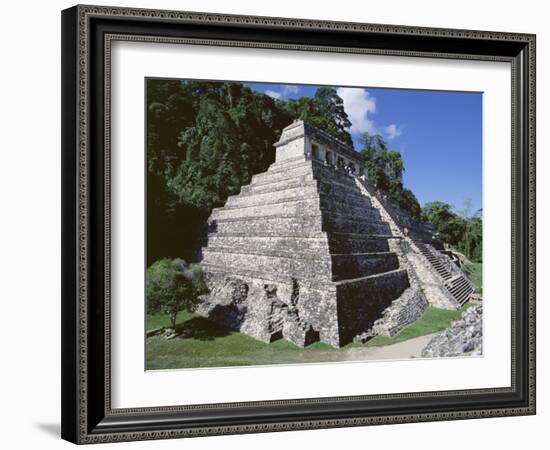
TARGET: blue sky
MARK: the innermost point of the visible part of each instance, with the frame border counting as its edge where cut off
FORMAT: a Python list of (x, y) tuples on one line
[(439, 135)]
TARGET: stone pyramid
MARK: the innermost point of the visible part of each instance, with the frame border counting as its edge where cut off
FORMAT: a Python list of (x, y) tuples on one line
[(306, 251)]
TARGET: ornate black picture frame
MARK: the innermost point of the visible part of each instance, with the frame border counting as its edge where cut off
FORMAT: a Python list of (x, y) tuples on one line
[(87, 34)]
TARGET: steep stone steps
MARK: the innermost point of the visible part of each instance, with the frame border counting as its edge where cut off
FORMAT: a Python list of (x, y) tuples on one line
[(434, 259), (464, 292), (461, 289), (463, 296), (458, 290), (459, 286)]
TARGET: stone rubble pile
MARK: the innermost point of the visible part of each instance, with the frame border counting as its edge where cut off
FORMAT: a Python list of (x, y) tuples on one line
[(463, 338)]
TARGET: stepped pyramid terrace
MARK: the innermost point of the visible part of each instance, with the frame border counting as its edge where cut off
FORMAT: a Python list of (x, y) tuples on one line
[(311, 251)]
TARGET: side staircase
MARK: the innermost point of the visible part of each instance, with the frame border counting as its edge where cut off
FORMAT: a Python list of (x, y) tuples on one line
[(457, 284)]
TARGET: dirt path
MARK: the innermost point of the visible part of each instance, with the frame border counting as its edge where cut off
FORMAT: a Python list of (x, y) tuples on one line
[(407, 349)]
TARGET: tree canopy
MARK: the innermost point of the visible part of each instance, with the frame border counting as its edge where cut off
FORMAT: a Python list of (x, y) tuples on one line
[(385, 168), (173, 286), (325, 111), (463, 232)]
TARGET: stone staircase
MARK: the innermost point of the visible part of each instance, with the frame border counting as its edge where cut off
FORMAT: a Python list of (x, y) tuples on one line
[(435, 259), (454, 287), (456, 282), (461, 289)]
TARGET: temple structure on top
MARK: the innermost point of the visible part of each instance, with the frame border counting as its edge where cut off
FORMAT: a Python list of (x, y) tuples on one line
[(301, 139), (311, 251)]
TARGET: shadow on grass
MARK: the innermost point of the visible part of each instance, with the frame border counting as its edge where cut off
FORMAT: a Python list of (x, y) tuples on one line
[(201, 329)]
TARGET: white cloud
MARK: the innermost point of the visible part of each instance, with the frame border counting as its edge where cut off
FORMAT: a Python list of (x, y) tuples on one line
[(287, 90), (290, 89), (392, 131), (273, 94), (358, 104)]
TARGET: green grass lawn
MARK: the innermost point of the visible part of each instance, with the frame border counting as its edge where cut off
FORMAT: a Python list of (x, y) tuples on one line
[(203, 343), (432, 321)]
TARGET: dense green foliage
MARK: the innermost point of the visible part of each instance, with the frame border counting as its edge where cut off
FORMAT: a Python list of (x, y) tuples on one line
[(462, 232), (204, 141), (385, 168), (173, 286), (325, 111)]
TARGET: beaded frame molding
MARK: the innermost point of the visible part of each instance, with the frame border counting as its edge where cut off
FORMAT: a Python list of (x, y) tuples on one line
[(87, 34)]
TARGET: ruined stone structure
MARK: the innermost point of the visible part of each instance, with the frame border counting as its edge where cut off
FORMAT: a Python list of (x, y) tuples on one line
[(463, 338), (310, 251)]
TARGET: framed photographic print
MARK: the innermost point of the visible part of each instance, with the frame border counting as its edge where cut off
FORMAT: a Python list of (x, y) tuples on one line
[(279, 224)]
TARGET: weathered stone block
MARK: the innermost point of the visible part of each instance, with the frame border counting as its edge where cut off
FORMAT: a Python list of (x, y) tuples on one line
[(345, 267), (356, 243), (346, 224), (282, 207), (362, 301), (272, 186), (408, 308), (304, 266), (295, 171), (298, 332), (310, 244), (283, 194), (268, 226)]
